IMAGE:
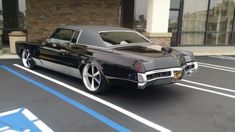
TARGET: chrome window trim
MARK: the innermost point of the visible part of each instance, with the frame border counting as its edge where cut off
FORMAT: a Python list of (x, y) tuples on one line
[(79, 35), (74, 31), (64, 29), (80, 32)]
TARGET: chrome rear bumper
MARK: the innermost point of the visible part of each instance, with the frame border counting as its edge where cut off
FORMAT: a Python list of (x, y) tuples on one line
[(165, 76)]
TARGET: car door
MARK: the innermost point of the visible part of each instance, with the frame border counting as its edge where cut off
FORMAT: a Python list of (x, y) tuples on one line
[(54, 54)]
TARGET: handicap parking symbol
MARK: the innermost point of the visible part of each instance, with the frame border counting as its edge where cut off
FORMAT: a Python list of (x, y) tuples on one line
[(21, 120)]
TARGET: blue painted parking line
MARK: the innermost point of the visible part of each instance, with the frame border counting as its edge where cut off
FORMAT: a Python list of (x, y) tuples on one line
[(21, 120), (76, 104)]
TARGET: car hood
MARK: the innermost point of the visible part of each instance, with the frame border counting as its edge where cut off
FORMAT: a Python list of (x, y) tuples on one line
[(152, 56)]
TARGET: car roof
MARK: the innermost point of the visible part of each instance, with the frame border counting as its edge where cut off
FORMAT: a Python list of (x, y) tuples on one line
[(90, 34), (94, 28)]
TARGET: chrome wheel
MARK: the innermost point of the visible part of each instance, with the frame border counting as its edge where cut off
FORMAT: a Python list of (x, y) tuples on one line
[(27, 58), (91, 77)]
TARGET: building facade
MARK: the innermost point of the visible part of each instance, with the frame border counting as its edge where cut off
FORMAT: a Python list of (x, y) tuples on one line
[(202, 22), (174, 22)]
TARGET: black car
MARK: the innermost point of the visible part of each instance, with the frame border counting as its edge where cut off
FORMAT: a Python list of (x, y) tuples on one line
[(102, 56)]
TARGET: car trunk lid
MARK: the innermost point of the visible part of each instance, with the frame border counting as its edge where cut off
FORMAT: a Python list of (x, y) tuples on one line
[(152, 56)]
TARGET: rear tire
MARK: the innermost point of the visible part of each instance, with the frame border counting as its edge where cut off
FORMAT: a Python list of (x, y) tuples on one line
[(27, 59), (93, 79)]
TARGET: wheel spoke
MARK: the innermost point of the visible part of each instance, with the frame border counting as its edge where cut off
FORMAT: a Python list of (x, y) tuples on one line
[(89, 75), (92, 69), (97, 73), (26, 52), (97, 80), (25, 55), (28, 63), (93, 83), (28, 55)]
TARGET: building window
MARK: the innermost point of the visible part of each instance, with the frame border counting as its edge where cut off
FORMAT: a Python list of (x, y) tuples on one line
[(175, 4), (12, 17), (174, 16), (194, 22), (205, 22), (220, 22), (22, 15), (140, 15)]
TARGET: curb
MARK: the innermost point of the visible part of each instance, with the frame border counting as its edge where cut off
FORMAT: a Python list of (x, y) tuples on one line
[(9, 56)]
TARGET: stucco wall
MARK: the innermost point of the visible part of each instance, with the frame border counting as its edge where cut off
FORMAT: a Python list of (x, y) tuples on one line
[(43, 16)]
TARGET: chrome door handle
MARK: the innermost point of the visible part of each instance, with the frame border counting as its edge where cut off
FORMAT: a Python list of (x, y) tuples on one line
[(62, 52)]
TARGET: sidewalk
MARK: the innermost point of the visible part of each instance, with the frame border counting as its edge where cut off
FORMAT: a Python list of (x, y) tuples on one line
[(5, 54), (209, 50)]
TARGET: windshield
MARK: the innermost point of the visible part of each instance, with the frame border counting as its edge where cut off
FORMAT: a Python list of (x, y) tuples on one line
[(122, 38)]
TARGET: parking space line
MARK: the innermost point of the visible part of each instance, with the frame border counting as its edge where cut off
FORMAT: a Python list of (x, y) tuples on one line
[(76, 104), (217, 68), (206, 90), (104, 102), (210, 86), (223, 57)]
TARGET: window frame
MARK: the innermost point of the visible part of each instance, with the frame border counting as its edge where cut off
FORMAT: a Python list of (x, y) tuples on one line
[(60, 29), (107, 31)]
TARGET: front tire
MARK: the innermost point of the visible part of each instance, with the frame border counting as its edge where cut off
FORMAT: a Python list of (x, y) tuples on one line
[(93, 80), (27, 59)]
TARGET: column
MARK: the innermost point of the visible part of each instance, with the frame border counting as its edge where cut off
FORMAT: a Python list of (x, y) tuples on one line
[(157, 22)]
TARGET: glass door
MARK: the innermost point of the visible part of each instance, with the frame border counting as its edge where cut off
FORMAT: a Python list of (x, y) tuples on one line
[(10, 18), (220, 22), (173, 26)]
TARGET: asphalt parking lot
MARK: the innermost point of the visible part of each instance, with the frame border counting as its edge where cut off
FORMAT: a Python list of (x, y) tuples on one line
[(201, 103)]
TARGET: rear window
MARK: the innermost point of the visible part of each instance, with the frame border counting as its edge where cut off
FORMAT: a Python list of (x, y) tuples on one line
[(121, 38)]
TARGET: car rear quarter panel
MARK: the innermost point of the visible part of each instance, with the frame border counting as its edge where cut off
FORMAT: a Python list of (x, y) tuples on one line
[(115, 66)]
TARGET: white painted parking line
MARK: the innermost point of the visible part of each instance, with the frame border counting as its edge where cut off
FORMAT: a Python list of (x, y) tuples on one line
[(104, 102), (223, 57), (209, 86), (205, 90), (217, 68)]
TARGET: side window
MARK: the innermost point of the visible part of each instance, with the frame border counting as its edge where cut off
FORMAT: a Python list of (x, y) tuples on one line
[(75, 37), (63, 34)]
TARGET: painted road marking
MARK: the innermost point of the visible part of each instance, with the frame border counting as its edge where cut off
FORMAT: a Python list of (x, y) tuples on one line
[(206, 90), (217, 67), (104, 102), (21, 120), (210, 86), (4, 129), (223, 57), (74, 103)]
